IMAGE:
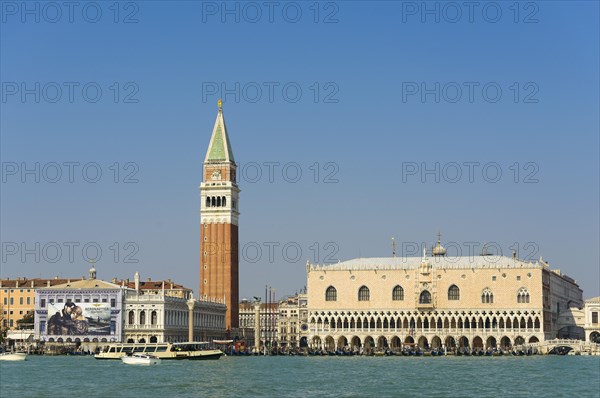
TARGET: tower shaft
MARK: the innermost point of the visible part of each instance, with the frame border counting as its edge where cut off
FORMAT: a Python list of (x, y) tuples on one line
[(219, 216)]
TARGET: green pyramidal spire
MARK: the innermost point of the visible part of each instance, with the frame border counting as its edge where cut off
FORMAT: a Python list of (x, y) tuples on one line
[(219, 149)]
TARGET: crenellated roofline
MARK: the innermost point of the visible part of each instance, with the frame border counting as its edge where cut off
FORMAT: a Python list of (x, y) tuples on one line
[(441, 262)]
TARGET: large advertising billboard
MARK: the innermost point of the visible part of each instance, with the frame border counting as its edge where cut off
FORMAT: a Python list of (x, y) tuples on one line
[(78, 319)]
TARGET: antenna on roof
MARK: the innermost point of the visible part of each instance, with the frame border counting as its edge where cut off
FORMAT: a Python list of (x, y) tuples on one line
[(393, 247)]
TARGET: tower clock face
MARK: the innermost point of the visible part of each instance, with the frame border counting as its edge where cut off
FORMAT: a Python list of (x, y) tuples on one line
[(304, 327)]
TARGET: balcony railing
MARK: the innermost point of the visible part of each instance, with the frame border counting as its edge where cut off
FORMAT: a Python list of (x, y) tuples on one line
[(144, 327), (425, 305), (426, 330)]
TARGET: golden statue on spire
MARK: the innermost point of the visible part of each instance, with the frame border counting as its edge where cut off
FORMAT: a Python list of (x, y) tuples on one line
[(220, 104)]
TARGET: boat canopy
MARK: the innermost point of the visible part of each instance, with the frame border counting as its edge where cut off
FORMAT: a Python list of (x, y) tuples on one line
[(191, 342), (19, 335)]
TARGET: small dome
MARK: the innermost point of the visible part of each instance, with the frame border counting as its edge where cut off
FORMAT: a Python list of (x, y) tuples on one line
[(92, 271), (438, 250)]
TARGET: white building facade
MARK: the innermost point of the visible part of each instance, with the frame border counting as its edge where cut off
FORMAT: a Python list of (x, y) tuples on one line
[(156, 317), (476, 302), (592, 323), (269, 314), (292, 323)]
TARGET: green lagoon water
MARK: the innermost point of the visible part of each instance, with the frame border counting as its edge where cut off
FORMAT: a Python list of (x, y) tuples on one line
[(85, 377)]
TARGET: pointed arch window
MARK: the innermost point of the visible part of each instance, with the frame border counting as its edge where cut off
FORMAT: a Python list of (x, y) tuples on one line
[(522, 296), (487, 297), (364, 294), (453, 293), (398, 293), (331, 294), (425, 297)]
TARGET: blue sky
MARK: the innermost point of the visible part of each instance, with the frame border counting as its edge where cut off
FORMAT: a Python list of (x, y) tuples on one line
[(387, 92)]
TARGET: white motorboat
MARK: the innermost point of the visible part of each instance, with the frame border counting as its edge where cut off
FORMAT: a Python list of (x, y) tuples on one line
[(141, 359), (13, 356)]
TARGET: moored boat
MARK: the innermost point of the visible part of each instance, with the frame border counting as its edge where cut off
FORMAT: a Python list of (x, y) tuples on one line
[(187, 350), (140, 359), (13, 356)]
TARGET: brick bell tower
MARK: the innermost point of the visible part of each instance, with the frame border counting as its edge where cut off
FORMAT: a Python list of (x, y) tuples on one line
[(219, 216)]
